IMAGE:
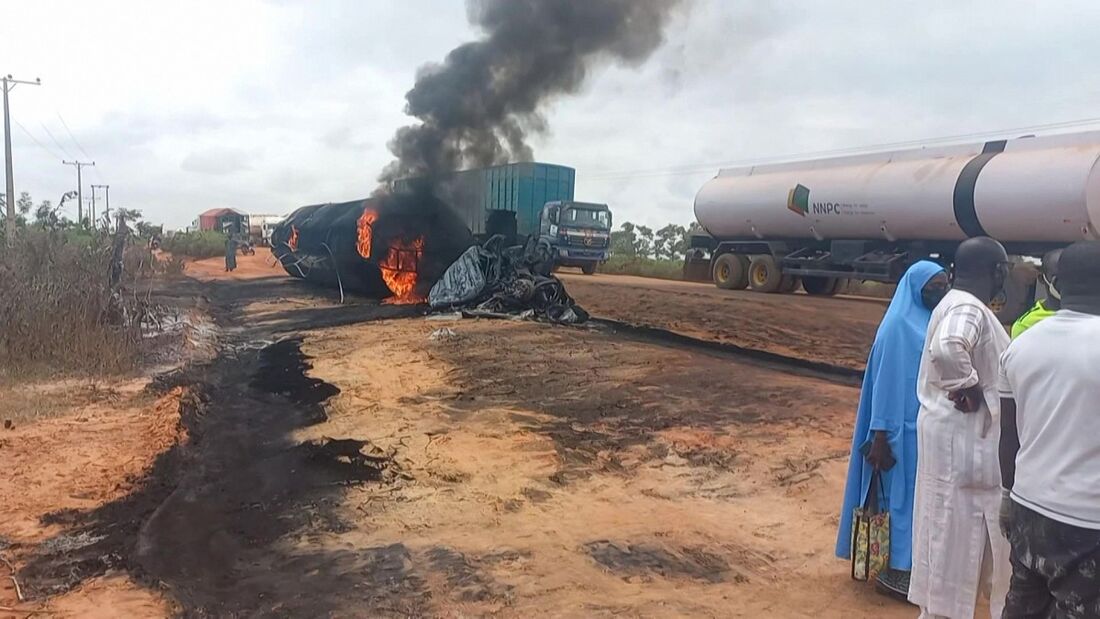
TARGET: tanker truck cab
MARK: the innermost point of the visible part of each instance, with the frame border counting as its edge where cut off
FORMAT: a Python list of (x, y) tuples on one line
[(578, 232)]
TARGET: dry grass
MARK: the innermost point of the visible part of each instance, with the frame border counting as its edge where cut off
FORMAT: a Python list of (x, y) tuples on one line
[(59, 314)]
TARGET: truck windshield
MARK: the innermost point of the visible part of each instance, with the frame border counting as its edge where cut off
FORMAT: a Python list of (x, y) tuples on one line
[(587, 217)]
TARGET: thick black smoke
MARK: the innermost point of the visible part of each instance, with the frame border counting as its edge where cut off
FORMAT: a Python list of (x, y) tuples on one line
[(479, 105)]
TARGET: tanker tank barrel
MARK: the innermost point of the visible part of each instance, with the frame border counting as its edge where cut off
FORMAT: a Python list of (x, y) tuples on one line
[(1027, 190)]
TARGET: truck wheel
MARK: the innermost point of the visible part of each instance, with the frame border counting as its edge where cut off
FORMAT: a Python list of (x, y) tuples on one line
[(589, 269), (765, 275), (731, 272), (821, 286), (790, 284)]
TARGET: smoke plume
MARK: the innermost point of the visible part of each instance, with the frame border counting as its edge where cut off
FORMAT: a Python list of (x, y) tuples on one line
[(478, 107)]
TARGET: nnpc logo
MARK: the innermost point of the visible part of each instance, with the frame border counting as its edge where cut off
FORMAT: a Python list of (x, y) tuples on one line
[(798, 200)]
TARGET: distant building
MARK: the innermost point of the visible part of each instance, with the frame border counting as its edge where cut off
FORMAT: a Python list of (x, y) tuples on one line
[(226, 220)]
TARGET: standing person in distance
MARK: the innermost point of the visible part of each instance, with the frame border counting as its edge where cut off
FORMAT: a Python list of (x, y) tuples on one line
[(230, 253), (1050, 451), (1044, 308), (886, 422), (958, 547)]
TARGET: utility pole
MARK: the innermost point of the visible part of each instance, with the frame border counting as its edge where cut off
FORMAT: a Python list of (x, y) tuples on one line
[(9, 84), (107, 212), (79, 188), (107, 208)]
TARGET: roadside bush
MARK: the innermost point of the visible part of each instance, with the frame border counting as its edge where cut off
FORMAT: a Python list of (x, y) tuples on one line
[(198, 245), (58, 312), (662, 268)]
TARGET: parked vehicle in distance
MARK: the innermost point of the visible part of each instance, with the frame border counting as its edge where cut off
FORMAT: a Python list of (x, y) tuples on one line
[(821, 222), (521, 200), (580, 232), (261, 226)]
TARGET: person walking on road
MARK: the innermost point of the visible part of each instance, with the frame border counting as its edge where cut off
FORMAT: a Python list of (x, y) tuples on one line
[(1044, 308), (230, 253), (1050, 451), (958, 547), (885, 436)]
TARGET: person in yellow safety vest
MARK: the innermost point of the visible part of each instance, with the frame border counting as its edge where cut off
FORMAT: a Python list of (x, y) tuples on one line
[(1044, 308)]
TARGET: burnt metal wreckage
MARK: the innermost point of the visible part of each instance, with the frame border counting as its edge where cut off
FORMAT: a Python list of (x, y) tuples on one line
[(495, 281), (413, 248)]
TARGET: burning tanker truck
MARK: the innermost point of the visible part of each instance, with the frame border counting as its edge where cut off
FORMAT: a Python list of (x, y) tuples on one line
[(410, 248), (822, 222), (391, 246)]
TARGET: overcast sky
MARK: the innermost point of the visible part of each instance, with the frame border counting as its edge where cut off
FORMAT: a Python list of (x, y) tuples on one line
[(266, 106)]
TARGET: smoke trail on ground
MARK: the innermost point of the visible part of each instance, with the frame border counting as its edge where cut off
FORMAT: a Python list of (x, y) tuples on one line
[(479, 105)]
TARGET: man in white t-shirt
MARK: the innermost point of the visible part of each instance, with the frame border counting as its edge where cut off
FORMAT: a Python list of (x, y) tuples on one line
[(1050, 451)]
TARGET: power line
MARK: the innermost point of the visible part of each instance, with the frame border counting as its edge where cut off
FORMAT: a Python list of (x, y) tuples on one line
[(58, 144), (35, 140), (705, 167), (78, 145), (70, 132)]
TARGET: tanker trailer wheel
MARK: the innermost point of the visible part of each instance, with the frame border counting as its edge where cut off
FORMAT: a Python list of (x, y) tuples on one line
[(790, 284), (821, 286), (765, 274), (731, 272)]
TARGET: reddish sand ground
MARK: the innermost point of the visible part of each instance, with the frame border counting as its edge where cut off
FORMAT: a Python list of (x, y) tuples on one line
[(543, 471), (837, 330), (262, 264)]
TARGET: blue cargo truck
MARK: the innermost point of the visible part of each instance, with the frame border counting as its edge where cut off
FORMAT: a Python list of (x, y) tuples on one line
[(520, 200)]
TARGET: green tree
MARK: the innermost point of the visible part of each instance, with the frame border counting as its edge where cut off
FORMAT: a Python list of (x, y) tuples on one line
[(643, 244), (147, 230), (623, 240), (46, 217), (127, 215), (24, 204), (671, 242)]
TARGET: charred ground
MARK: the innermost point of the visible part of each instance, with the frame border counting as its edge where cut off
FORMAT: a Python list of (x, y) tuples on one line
[(358, 460)]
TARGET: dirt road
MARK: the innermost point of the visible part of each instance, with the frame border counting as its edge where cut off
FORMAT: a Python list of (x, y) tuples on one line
[(507, 469), (829, 330)]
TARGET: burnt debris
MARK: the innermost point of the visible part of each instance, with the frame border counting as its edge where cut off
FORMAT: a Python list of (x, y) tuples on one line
[(494, 281)]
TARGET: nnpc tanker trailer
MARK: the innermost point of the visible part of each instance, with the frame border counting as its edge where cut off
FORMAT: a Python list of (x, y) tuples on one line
[(867, 217)]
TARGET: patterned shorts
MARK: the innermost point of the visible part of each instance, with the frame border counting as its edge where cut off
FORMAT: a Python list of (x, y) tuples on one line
[(1055, 568)]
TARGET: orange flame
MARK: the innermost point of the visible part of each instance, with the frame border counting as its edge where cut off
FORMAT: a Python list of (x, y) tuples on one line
[(399, 270), (366, 232), (292, 242), (400, 265)]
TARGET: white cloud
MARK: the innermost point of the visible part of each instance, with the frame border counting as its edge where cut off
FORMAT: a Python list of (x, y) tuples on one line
[(217, 161)]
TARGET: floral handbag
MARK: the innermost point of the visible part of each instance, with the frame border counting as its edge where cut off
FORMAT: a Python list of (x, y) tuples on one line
[(871, 533)]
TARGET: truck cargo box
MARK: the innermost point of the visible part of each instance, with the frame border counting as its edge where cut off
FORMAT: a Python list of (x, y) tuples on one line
[(520, 188)]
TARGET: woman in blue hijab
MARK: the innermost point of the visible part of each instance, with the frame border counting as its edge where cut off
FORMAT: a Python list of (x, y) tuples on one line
[(887, 418)]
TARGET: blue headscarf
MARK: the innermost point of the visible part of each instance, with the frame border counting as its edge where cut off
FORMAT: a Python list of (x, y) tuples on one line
[(889, 402)]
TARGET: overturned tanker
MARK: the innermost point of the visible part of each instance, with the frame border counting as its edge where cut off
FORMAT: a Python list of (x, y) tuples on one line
[(392, 247)]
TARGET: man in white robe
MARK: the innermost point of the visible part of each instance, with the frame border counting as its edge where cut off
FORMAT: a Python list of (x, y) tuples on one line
[(958, 549)]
